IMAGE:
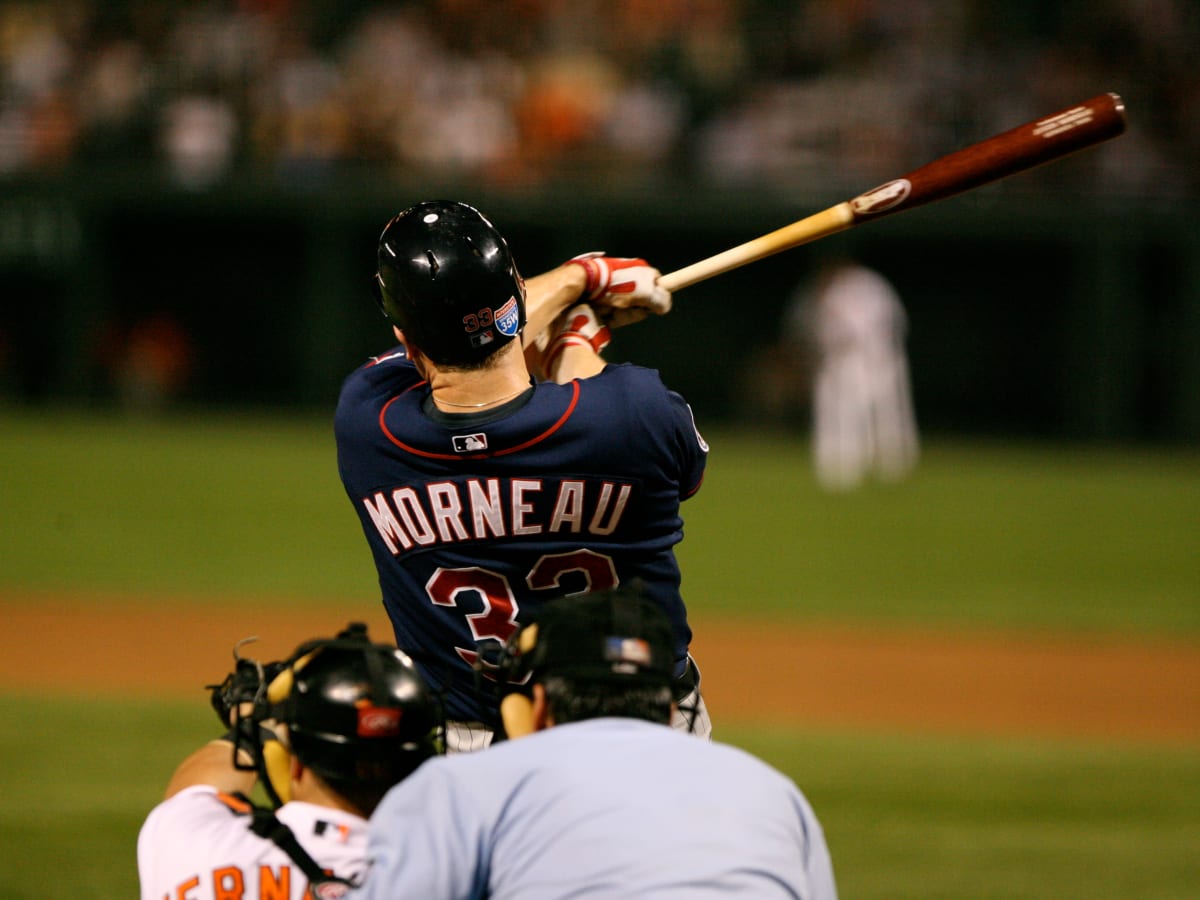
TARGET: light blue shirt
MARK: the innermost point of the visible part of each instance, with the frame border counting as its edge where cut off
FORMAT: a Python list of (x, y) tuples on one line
[(604, 808)]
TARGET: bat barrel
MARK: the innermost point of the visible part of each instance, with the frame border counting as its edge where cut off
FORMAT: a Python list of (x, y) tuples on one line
[(1021, 148), (1041, 141)]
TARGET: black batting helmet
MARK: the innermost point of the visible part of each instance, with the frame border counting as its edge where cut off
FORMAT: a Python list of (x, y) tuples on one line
[(446, 277), (355, 711)]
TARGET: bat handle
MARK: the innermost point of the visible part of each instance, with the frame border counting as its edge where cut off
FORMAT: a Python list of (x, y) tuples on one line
[(830, 221)]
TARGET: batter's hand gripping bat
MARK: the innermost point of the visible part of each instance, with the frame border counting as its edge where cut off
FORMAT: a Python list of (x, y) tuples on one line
[(1024, 147)]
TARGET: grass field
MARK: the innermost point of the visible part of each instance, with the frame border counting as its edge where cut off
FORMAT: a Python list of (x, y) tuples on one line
[(984, 534), (905, 817), (1021, 537)]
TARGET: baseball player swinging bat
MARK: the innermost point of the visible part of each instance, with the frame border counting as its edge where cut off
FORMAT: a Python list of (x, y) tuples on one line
[(1021, 148)]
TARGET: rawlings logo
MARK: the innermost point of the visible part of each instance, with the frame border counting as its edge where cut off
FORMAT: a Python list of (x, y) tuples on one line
[(885, 197), (374, 721)]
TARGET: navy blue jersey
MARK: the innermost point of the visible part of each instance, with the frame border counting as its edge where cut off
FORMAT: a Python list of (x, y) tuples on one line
[(476, 519)]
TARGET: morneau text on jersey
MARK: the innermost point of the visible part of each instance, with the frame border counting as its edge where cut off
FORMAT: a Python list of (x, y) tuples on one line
[(445, 512)]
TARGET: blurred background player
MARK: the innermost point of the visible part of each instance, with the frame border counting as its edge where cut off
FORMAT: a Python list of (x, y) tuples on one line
[(597, 796), (482, 491), (851, 322), (325, 734)]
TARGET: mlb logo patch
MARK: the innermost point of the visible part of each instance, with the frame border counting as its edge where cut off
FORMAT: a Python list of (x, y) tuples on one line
[(469, 443), (508, 318), (480, 338)]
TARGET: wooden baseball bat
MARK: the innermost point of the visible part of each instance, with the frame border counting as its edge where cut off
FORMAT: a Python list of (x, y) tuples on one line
[(1021, 148)]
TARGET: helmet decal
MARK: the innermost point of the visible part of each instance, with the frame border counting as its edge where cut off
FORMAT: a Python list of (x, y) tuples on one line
[(375, 721), (508, 318)]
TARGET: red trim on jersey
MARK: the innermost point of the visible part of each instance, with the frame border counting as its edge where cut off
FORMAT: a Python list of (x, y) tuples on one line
[(518, 448)]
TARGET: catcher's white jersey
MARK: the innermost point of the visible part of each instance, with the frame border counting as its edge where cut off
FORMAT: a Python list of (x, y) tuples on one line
[(198, 845)]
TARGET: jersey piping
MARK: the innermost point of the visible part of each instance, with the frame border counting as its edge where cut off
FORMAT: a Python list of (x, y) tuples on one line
[(507, 451)]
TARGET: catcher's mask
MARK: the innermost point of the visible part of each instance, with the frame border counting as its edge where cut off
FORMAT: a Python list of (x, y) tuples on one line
[(446, 278), (351, 710), (616, 637)]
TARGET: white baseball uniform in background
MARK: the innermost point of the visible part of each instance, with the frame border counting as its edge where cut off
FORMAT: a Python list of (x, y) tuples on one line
[(863, 417), (198, 844)]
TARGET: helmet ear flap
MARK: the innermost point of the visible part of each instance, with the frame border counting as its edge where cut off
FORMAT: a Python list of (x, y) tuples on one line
[(276, 772), (516, 705), (274, 759), (281, 685), (516, 711)]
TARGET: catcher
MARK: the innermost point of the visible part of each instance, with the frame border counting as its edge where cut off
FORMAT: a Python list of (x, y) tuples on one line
[(324, 734)]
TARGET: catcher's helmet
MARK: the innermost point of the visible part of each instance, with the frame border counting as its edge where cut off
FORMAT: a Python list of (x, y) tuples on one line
[(446, 277), (355, 711)]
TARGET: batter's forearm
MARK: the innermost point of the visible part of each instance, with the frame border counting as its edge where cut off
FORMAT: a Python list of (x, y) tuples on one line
[(548, 295)]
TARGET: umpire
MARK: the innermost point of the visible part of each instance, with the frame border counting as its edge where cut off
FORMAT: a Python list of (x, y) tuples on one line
[(602, 798)]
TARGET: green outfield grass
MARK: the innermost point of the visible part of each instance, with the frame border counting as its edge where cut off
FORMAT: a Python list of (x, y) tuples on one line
[(983, 534), (987, 534), (905, 817)]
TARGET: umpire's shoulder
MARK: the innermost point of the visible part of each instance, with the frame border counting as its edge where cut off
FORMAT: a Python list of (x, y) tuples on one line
[(476, 777)]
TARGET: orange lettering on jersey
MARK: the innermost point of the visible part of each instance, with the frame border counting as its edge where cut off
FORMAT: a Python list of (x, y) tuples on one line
[(237, 804), (181, 892), (228, 883), (272, 886)]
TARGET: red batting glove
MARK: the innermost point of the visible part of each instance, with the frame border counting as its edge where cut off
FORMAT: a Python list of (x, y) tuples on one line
[(580, 328), (623, 289)]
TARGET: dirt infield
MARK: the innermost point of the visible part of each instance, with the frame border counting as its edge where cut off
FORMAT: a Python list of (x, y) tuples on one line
[(907, 680)]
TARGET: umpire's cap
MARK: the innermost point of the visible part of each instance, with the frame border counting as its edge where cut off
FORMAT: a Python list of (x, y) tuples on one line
[(446, 277), (616, 636)]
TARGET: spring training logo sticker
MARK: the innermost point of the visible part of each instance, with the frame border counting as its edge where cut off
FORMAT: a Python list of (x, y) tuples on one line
[(508, 318)]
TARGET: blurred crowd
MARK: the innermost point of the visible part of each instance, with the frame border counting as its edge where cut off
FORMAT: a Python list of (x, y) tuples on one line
[(831, 92)]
